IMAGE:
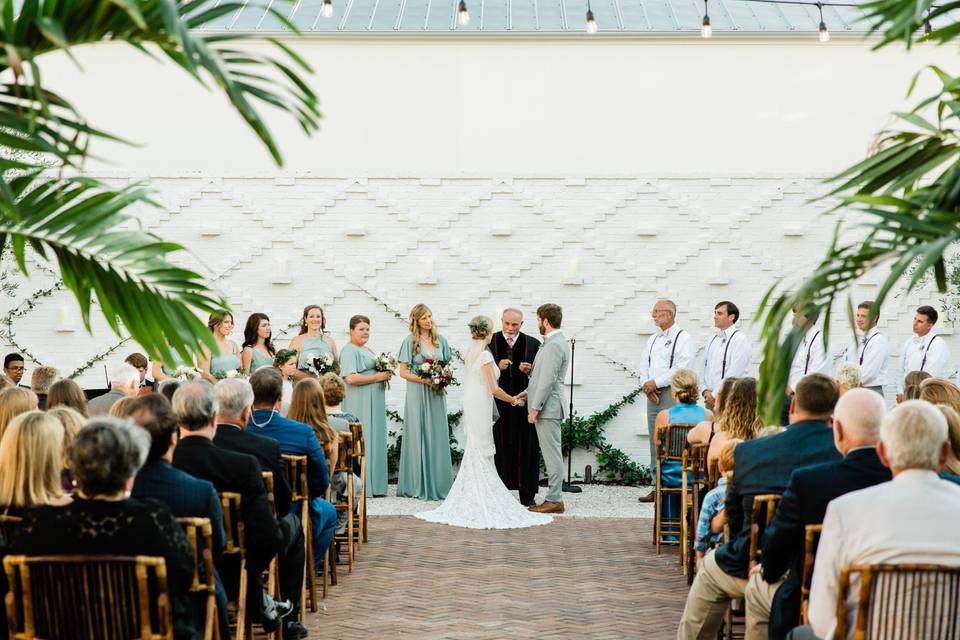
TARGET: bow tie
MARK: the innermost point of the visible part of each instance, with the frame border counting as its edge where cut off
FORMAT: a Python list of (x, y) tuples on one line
[(917, 340), (723, 336)]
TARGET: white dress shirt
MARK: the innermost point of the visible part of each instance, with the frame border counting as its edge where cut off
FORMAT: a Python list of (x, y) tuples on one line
[(912, 518), (872, 354), (727, 355), (673, 344), (929, 353), (811, 357)]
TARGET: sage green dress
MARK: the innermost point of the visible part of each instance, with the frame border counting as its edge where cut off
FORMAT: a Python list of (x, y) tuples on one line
[(175, 363), (369, 403), (310, 349), (225, 361), (426, 469), (258, 360)]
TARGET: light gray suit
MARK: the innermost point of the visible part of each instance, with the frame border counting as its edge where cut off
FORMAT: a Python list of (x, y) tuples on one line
[(100, 406), (545, 395)]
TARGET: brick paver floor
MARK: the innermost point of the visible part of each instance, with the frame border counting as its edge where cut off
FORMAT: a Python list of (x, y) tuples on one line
[(575, 578)]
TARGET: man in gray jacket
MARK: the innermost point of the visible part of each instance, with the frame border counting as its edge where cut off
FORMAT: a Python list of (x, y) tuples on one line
[(546, 401)]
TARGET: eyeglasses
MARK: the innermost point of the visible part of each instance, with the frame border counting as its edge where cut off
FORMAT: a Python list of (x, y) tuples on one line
[(17, 369)]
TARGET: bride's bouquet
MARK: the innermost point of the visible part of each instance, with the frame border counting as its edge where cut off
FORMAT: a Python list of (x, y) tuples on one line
[(324, 364), (385, 362), (186, 374), (220, 374), (438, 374)]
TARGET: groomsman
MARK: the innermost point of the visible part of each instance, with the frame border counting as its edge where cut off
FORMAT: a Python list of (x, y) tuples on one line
[(518, 450), (811, 356), (925, 350), (669, 349), (870, 352), (727, 354)]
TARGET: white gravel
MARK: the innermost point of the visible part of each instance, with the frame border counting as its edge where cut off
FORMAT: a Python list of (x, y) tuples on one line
[(596, 501)]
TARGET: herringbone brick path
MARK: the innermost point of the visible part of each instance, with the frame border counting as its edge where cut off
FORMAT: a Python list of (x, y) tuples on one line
[(575, 578)]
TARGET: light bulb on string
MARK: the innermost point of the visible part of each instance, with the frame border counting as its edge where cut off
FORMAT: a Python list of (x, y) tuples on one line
[(927, 27), (824, 32), (463, 16), (327, 9), (591, 23), (706, 30)]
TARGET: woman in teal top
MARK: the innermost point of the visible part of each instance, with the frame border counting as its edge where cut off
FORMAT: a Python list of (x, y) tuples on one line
[(312, 341), (227, 358), (426, 469), (366, 399), (162, 372), (258, 348)]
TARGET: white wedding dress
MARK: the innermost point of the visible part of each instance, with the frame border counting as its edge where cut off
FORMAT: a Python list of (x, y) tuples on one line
[(478, 498)]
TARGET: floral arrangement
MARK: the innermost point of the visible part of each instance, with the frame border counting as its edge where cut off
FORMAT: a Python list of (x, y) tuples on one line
[(324, 364), (282, 356), (385, 362), (186, 374), (220, 374), (438, 374)]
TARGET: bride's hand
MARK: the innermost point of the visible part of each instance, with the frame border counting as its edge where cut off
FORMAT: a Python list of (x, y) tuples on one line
[(519, 401)]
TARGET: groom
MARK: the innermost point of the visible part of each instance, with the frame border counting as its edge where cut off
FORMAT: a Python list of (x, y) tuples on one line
[(546, 401)]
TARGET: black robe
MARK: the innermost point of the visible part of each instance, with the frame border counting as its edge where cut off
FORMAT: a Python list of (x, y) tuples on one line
[(518, 450)]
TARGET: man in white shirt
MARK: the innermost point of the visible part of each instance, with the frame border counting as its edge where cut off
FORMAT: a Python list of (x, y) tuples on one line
[(925, 350), (669, 349), (870, 352), (727, 354), (811, 356), (911, 519)]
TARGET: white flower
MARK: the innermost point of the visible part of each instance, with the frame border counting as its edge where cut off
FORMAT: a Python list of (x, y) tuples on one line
[(233, 373), (425, 367)]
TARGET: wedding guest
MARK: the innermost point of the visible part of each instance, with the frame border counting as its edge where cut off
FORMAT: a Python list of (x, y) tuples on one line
[(72, 422), (139, 362), (67, 393), (258, 350), (13, 402), (312, 342), (810, 357), (5, 382), (858, 527), (712, 518), (856, 429), (122, 407), (14, 367), (40, 383), (227, 358), (760, 467), (517, 455), (669, 349), (104, 458), (740, 419), (727, 353), (286, 363), (706, 430), (426, 469), (31, 459), (946, 396), (847, 376), (870, 350), (124, 382), (951, 468), (168, 388), (925, 351), (366, 397), (334, 391)]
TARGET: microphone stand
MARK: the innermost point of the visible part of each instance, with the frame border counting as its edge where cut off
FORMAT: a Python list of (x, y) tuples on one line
[(568, 486)]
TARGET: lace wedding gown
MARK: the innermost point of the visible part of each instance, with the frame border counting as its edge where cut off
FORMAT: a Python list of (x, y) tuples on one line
[(478, 499)]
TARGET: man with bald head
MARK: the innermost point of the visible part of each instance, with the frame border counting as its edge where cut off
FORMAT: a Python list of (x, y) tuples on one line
[(856, 431)]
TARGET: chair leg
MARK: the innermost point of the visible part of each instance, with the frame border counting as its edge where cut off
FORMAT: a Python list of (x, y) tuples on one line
[(658, 514), (242, 614), (332, 554), (363, 502), (309, 575), (350, 541)]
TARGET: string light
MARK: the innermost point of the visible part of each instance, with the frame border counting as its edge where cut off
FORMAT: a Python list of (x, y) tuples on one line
[(327, 9), (706, 30), (591, 23), (463, 16), (824, 33)]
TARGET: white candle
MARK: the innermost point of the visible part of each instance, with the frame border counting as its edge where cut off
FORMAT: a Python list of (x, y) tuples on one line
[(573, 267), (64, 315)]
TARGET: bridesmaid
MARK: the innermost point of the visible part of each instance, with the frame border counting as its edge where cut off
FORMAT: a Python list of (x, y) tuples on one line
[(258, 350), (227, 358), (366, 399), (312, 341), (426, 469)]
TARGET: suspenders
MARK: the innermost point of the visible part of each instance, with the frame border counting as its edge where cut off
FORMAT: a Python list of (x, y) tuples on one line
[(927, 350), (723, 366), (806, 366), (673, 351), (863, 352)]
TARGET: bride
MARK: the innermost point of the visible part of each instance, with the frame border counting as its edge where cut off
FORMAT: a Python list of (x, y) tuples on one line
[(478, 499)]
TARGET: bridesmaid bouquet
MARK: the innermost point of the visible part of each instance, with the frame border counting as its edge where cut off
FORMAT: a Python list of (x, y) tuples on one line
[(186, 374), (385, 362), (324, 363), (220, 374), (438, 374)]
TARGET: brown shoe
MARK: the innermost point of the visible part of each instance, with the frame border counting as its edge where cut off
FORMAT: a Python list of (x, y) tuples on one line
[(650, 497), (547, 507)]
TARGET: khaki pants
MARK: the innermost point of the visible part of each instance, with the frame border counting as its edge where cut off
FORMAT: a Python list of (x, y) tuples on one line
[(708, 600), (758, 598)]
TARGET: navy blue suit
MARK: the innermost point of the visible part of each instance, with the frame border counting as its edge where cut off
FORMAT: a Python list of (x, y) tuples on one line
[(805, 502), (764, 466)]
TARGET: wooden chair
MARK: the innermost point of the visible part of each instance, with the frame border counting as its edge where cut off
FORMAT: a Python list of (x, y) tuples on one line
[(345, 465), (671, 441), (360, 455), (236, 546), (273, 581), (810, 541), (9, 526), (900, 602), (297, 468), (760, 517), (101, 596), (199, 533), (694, 485)]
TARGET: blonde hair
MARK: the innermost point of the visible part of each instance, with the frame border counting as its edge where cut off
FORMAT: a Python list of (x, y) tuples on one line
[(940, 391), (43, 378), (5, 381), (123, 407), (334, 390), (13, 402), (953, 434), (725, 458), (72, 421), (308, 405), (686, 385), (740, 419), (480, 327), (31, 456), (67, 393), (848, 374), (416, 313)]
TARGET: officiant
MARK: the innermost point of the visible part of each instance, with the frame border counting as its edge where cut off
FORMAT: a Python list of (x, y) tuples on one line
[(518, 450)]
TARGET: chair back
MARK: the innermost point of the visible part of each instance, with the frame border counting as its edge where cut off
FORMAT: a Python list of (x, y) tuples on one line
[(672, 441), (297, 468), (760, 517), (233, 524), (359, 444), (811, 538), (344, 454), (199, 534), (103, 597), (9, 526), (269, 486), (900, 602), (695, 462)]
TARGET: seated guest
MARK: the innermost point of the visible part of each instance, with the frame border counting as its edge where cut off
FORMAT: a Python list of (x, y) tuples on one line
[(856, 430), (186, 496), (31, 458), (847, 376), (101, 520), (122, 407), (71, 422), (40, 383), (912, 519), (67, 393), (946, 395), (334, 391), (195, 408), (704, 432), (911, 385), (295, 438), (14, 367), (168, 388), (740, 419), (5, 382), (13, 402), (760, 467), (712, 516), (124, 382), (139, 362)]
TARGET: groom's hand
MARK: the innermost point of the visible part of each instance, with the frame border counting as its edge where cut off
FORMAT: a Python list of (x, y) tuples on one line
[(532, 416)]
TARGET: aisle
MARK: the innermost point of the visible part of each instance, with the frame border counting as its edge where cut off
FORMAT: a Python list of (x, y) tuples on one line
[(576, 578)]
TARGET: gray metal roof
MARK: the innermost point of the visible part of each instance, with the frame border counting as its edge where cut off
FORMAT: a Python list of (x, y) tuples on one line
[(539, 16)]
